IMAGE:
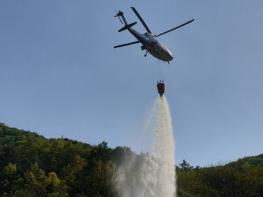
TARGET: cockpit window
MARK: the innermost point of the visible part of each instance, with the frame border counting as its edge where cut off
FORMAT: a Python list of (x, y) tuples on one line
[(148, 35), (165, 47)]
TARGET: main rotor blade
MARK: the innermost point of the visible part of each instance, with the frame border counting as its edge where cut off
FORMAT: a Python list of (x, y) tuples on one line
[(175, 28), (142, 21), (127, 44)]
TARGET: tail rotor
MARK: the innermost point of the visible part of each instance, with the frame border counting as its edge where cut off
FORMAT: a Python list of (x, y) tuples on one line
[(119, 15)]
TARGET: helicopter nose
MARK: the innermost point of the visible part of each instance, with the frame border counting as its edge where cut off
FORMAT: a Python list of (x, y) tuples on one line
[(170, 55)]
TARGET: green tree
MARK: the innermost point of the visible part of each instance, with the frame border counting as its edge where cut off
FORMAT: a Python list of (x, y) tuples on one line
[(100, 180), (71, 174), (185, 165), (10, 181), (55, 186), (36, 180)]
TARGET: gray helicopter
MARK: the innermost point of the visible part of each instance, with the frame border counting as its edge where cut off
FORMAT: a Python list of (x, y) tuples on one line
[(148, 40)]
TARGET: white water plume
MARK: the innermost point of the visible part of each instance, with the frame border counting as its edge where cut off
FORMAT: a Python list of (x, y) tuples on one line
[(152, 174)]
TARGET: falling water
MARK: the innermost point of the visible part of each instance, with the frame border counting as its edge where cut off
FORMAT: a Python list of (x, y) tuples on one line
[(152, 174)]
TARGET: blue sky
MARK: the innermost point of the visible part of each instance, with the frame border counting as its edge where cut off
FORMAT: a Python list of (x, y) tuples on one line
[(60, 75)]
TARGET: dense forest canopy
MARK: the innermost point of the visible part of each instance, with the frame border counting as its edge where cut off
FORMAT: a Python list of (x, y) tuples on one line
[(31, 165)]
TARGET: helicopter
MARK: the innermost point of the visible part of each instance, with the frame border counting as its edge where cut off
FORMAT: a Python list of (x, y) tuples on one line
[(148, 40)]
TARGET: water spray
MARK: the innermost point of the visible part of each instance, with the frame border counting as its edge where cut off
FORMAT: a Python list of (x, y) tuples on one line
[(153, 174)]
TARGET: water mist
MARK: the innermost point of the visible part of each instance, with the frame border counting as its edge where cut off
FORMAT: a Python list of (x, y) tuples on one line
[(152, 174)]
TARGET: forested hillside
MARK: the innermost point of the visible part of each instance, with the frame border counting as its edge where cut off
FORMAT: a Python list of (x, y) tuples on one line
[(31, 165), (243, 178)]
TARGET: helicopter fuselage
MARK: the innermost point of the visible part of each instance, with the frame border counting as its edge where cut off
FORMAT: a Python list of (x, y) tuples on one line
[(148, 40), (152, 45)]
